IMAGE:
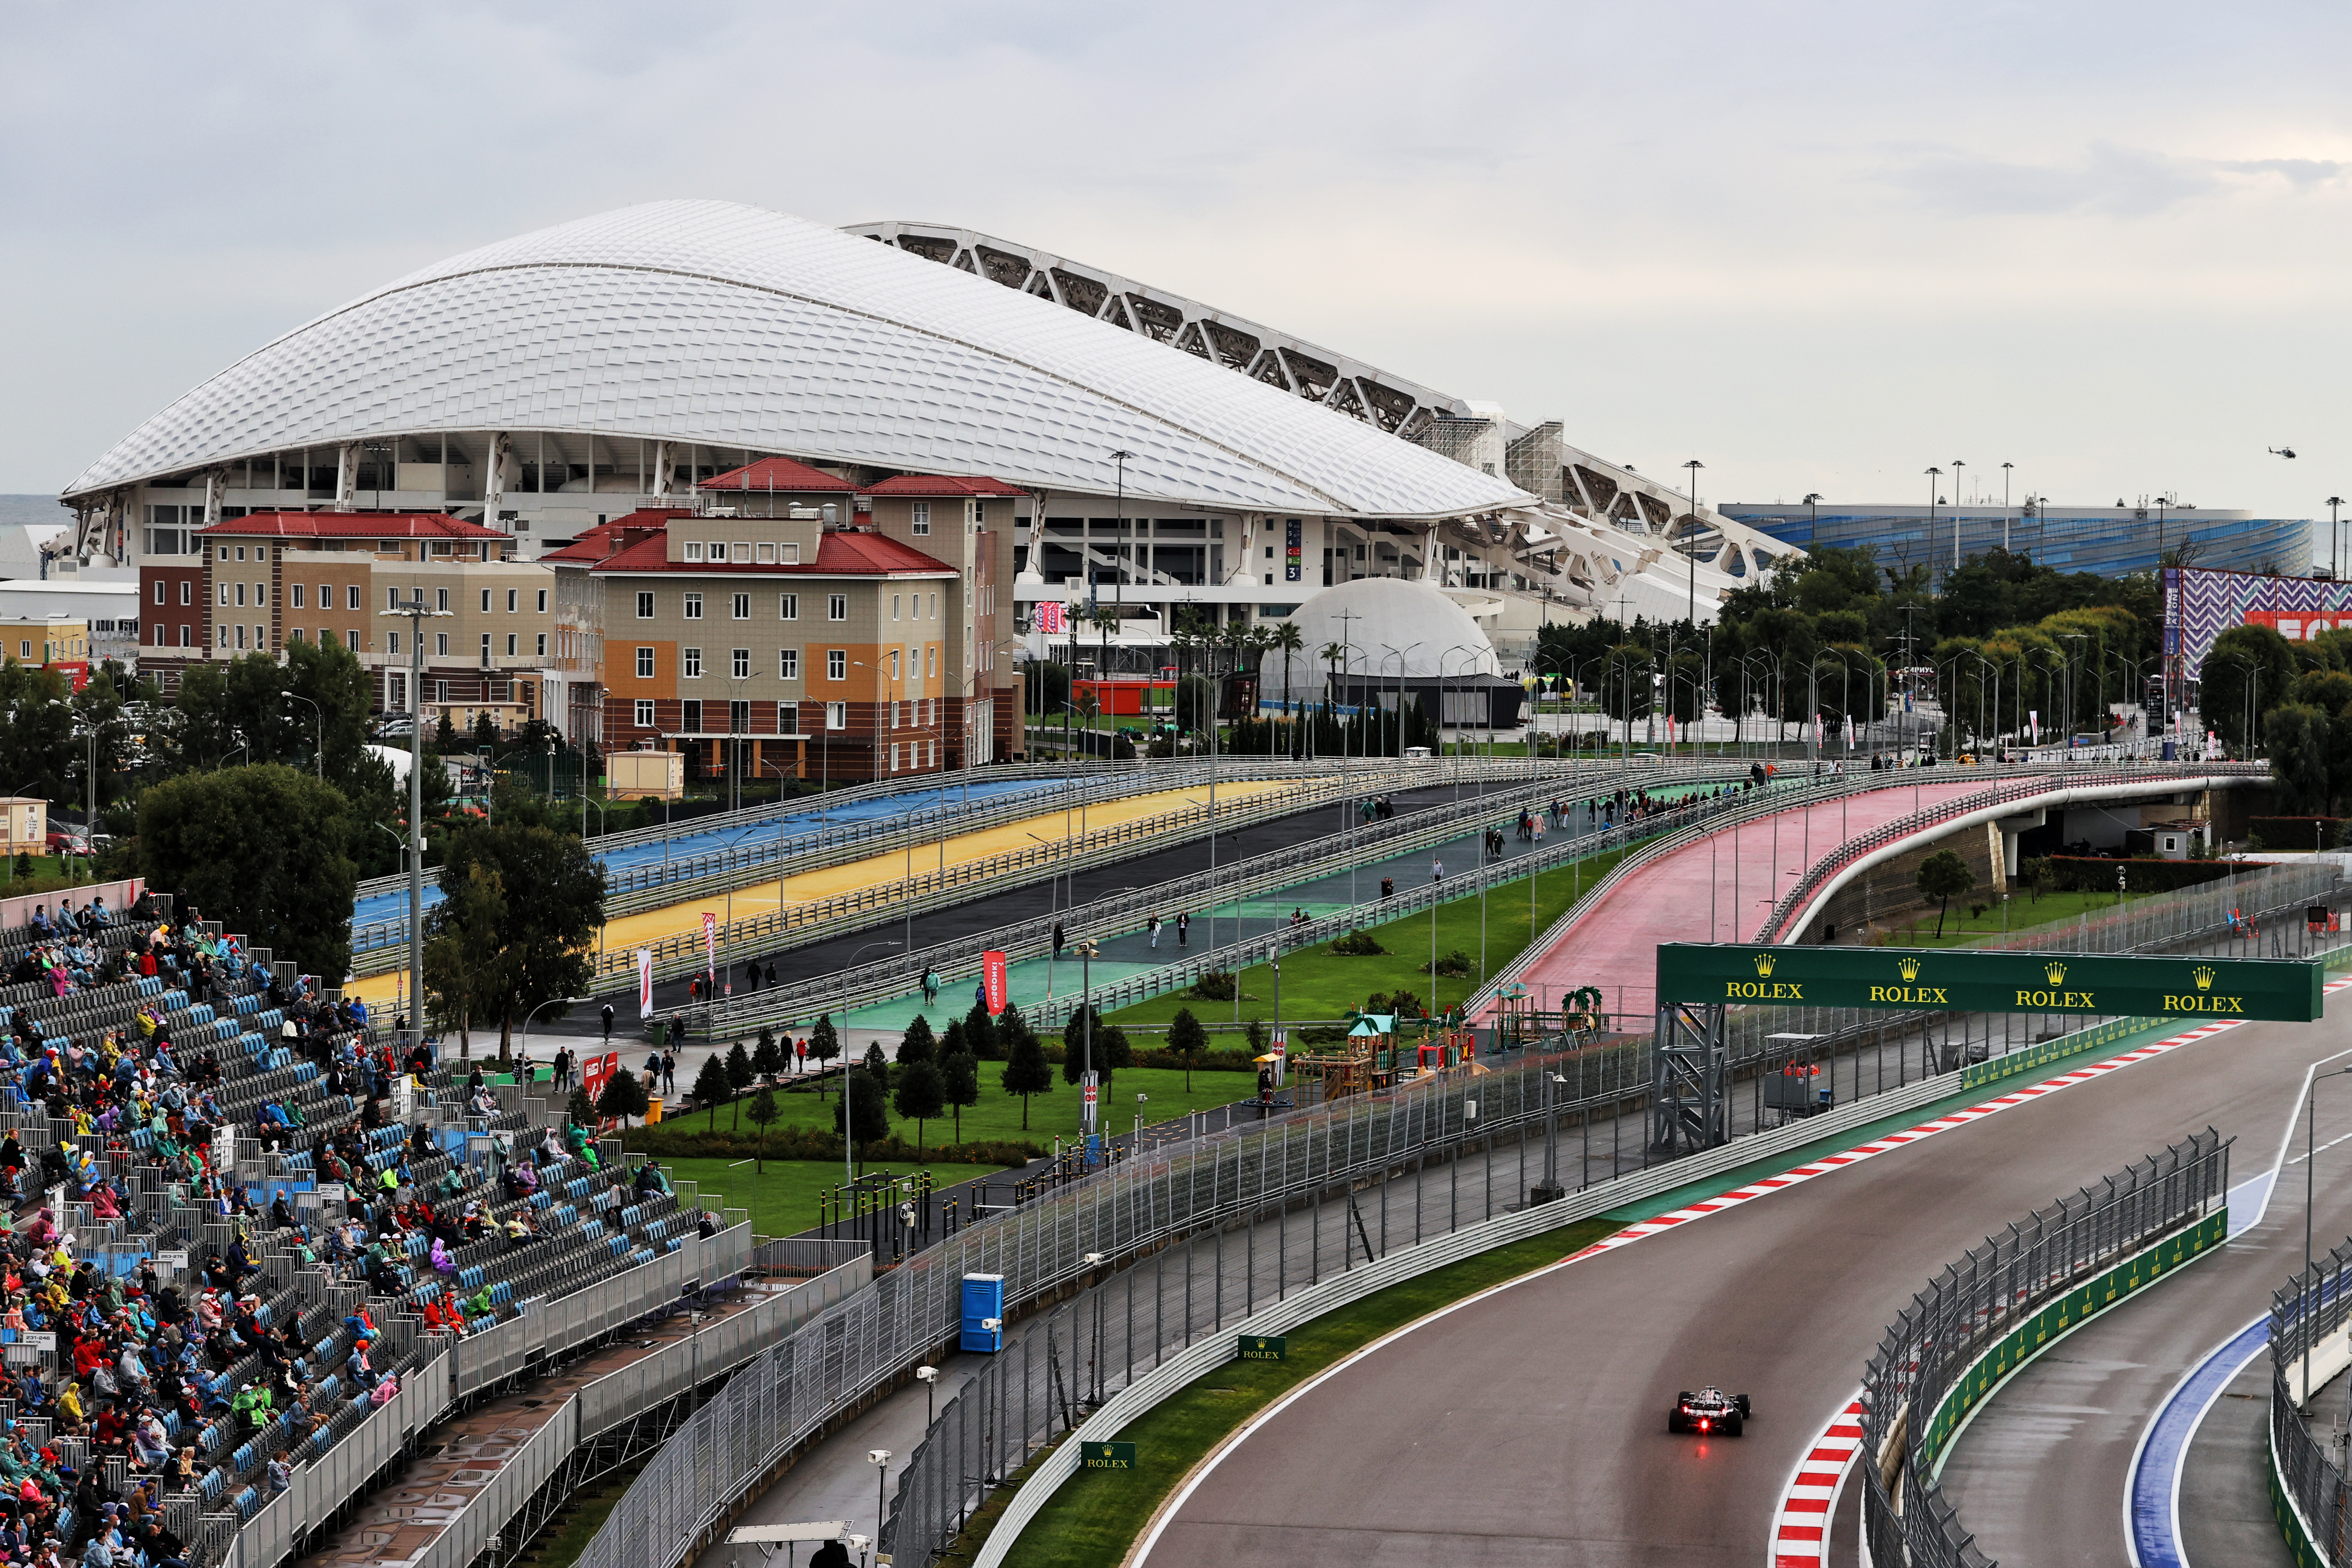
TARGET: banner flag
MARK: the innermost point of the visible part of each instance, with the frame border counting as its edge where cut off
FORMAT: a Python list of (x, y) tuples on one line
[(993, 979)]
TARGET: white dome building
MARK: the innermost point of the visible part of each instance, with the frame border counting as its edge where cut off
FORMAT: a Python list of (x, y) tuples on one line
[(1403, 640)]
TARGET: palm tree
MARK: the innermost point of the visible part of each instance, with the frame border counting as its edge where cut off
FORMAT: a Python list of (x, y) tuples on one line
[(1289, 640)]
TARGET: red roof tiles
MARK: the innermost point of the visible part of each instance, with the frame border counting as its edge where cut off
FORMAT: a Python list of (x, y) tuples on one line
[(779, 474), (839, 553), (349, 525), (942, 485)]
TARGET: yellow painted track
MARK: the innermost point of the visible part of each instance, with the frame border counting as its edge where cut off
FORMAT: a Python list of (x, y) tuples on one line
[(650, 926)]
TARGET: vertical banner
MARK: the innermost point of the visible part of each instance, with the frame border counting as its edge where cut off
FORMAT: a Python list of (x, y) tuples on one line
[(1049, 616), (1281, 1054), (644, 982), (710, 943), (993, 981), (1294, 552)]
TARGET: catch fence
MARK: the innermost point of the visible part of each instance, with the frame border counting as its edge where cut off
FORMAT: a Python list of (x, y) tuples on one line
[(2306, 1313), (1979, 1311)]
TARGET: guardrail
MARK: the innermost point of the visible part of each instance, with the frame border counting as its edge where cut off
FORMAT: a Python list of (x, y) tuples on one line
[(2308, 1493), (898, 973), (1779, 923), (2000, 1305)]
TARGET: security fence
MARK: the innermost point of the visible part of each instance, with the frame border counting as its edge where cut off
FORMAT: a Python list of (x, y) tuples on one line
[(1985, 1314), (2309, 1308)]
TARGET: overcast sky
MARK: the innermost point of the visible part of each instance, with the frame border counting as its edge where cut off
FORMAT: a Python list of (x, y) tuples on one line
[(1818, 247)]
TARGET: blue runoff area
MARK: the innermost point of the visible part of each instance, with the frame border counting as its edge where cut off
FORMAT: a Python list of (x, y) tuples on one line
[(687, 845), (2155, 1500)]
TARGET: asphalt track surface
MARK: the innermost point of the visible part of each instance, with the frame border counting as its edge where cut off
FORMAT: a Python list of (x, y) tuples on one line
[(1727, 881), (1529, 1427), (2040, 1474)]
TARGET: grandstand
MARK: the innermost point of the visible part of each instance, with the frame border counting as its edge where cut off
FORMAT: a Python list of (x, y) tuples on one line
[(256, 1234)]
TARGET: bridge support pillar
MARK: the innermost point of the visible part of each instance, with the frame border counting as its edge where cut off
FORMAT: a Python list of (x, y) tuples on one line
[(1690, 1081)]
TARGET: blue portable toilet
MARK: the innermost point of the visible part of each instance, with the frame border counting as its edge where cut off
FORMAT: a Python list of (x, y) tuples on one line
[(983, 1313)]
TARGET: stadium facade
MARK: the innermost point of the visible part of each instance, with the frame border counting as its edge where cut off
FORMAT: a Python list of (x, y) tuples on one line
[(573, 390), (2111, 542)]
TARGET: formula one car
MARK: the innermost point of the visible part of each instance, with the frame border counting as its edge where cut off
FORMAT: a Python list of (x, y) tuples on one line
[(1708, 1410)]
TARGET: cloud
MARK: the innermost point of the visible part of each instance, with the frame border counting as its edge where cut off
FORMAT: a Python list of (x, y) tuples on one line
[(2109, 182), (2301, 172)]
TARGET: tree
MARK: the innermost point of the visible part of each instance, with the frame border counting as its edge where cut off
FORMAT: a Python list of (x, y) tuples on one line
[(917, 1044), (769, 1060), (543, 945), (763, 1111), (2247, 664), (1027, 1072), (863, 1101), (581, 1109), (960, 1086), (444, 734), (1945, 876), (263, 850), (2297, 737), (623, 1097), (1187, 1040), (711, 1086), (461, 973), (1107, 1044), (922, 1094), (824, 1044), (980, 1032), (739, 1074)]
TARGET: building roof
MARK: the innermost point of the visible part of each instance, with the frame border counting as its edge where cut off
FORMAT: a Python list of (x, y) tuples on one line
[(942, 485), (840, 553), (593, 544), (730, 326), (779, 474), (349, 525)]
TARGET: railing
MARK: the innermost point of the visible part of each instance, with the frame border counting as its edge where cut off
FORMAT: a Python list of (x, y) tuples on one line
[(2308, 1309), (1316, 858), (1824, 871), (1915, 1388)]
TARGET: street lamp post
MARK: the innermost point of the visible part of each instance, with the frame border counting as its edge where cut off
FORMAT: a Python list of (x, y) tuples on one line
[(1694, 466), (416, 615), (1958, 502), (2005, 467), (1933, 475), (1814, 539), (319, 747), (2333, 503)]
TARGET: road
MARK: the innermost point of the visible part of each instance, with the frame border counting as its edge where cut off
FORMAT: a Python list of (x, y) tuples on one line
[(1529, 1426)]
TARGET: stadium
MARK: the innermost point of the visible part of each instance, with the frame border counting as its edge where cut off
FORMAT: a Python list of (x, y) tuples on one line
[(2111, 542)]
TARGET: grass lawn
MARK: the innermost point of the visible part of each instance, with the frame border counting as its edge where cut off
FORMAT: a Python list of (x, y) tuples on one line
[(1318, 983), (783, 1198), (1094, 1519), (2025, 912), (997, 1114)]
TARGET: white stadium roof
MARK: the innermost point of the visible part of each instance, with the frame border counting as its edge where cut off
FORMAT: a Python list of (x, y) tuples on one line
[(731, 326)]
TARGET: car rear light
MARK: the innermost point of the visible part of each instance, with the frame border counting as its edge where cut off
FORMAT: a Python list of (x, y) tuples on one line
[(1702, 1423)]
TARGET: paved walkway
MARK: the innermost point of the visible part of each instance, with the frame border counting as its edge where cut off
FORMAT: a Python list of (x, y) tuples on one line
[(1717, 889)]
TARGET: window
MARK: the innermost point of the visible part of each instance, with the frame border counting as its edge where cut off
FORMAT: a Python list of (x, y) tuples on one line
[(441, 598), (922, 517), (788, 606), (542, 601), (767, 554), (742, 607), (391, 599), (355, 592), (224, 627), (718, 550), (440, 692), (485, 601), (935, 607), (894, 756), (543, 645), (788, 718), (690, 716), (898, 715), (514, 600), (788, 664), (694, 550), (837, 606), (836, 715), (441, 645), (644, 664), (740, 665), (691, 663), (510, 644), (694, 607), (240, 593), (645, 714), (188, 635), (240, 553), (260, 594), (788, 554), (836, 664), (932, 660), (297, 595), (645, 606), (391, 642), (351, 638), (894, 605), (326, 596), (894, 663), (159, 592), (187, 594), (486, 651)]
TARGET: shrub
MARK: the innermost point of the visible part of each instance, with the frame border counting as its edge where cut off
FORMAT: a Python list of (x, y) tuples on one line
[(2296, 832), (1358, 944), (2076, 874), (1217, 985), (1454, 964)]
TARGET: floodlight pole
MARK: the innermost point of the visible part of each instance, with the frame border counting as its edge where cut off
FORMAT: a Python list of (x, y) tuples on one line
[(416, 613)]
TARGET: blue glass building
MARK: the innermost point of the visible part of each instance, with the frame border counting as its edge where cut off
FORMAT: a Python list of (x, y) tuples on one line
[(2113, 542)]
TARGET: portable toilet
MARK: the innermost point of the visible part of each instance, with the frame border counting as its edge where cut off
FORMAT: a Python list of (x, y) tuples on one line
[(983, 1313)]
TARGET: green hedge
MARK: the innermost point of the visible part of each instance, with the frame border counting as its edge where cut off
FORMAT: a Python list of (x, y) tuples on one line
[(2295, 832), (2089, 874), (681, 1141)]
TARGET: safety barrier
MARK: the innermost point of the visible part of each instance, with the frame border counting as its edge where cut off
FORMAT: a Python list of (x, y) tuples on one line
[(2308, 1494), (2000, 1305)]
